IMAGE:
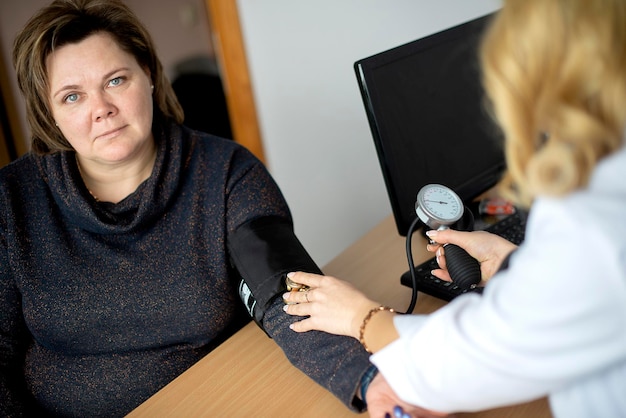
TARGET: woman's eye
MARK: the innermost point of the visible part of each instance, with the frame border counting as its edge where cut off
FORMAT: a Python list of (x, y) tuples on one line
[(116, 81), (71, 98)]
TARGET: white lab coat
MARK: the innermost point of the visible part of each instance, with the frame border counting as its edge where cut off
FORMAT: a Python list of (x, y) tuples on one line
[(553, 323)]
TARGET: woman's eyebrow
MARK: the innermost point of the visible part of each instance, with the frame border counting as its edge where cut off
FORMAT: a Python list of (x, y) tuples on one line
[(77, 86)]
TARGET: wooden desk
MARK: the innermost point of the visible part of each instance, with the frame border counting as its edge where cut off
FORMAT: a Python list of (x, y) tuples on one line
[(259, 381)]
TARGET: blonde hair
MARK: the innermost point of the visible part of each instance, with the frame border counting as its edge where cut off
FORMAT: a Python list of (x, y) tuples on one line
[(71, 21), (555, 73)]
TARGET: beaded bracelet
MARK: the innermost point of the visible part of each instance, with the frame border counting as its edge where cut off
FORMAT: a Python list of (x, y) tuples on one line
[(367, 318)]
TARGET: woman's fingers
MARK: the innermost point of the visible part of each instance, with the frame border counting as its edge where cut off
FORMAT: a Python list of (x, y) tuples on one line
[(441, 259), (306, 279), (295, 297), (298, 309)]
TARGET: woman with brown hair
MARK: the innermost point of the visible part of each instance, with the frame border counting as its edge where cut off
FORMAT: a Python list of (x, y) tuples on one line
[(126, 239)]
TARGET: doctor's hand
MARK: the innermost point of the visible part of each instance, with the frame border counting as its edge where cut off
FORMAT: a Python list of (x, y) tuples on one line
[(329, 305), (489, 249), (383, 402)]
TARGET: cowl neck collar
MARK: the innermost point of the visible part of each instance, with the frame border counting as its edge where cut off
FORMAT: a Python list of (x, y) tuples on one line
[(139, 209)]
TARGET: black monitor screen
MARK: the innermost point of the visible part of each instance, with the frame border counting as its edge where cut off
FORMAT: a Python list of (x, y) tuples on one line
[(428, 118)]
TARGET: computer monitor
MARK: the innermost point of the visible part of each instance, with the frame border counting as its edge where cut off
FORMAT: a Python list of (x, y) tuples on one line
[(426, 109)]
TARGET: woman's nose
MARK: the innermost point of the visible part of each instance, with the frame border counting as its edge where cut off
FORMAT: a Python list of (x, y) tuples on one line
[(103, 107)]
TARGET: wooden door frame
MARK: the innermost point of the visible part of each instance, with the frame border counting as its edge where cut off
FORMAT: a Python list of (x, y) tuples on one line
[(228, 41), (12, 140)]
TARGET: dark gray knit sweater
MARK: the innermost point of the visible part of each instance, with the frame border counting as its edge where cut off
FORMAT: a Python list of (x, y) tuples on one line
[(103, 304)]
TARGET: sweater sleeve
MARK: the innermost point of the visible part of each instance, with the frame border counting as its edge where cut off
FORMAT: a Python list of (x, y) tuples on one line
[(263, 253), (263, 249)]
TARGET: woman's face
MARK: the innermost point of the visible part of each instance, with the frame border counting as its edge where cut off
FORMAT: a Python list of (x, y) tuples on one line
[(101, 99)]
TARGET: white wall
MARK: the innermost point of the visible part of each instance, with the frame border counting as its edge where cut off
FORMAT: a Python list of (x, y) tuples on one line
[(315, 131)]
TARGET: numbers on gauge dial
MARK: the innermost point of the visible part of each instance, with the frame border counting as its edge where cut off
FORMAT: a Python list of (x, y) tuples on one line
[(441, 203)]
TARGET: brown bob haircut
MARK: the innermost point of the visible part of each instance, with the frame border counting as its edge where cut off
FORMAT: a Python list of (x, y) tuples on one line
[(71, 21)]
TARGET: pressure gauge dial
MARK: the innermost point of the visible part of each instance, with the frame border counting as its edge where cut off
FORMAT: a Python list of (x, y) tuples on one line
[(438, 206)]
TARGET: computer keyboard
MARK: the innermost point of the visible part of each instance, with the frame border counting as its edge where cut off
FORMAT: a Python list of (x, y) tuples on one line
[(511, 227)]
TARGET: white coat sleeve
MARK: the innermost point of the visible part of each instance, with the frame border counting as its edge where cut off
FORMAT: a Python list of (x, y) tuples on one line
[(557, 314)]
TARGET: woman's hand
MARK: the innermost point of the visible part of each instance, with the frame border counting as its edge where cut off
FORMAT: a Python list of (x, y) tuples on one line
[(382, 401), (332, 305), (489, 249)]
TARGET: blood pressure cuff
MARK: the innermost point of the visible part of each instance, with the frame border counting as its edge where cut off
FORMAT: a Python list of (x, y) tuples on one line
[(263, 251)]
